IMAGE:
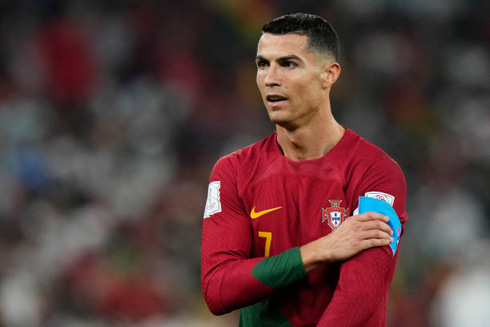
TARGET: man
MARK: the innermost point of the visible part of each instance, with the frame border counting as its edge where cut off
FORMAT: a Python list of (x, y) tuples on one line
[(276, 240)]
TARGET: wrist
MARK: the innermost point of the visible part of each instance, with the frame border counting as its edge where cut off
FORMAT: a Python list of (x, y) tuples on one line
[(313, 255)]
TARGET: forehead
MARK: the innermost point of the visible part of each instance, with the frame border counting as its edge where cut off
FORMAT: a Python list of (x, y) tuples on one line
[(271, 45)]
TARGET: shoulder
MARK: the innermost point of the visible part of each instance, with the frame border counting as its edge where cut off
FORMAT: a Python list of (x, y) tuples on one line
[(242, 160), (366, 156), (369, 168), (373, 172)]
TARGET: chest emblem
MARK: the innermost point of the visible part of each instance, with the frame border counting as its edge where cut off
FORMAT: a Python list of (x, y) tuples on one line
[(335, 214)]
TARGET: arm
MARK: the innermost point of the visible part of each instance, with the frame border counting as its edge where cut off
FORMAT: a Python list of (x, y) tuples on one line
[(363, 285), (356, 234), (230, 278), (365, 278)]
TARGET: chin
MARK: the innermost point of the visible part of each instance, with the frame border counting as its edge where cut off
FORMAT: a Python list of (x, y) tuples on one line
[(281, 119), (277, 116)]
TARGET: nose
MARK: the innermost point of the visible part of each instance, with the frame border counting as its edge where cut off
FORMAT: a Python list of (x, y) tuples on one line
[(272, 77)]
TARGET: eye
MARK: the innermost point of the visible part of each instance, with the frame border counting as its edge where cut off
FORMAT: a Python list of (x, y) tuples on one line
[(262, 64), (288, 64)]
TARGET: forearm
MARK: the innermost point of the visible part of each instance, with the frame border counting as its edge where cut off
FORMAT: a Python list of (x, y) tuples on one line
[(239, 283), (314, 255)]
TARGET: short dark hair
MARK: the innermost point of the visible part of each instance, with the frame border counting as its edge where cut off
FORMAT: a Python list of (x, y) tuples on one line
[(322, 37)]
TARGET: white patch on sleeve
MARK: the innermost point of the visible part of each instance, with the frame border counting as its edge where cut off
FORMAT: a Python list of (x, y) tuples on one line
[(388, 198), (213, 203)]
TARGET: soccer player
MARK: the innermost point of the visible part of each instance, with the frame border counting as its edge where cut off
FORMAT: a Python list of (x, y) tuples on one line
[(282, 238)]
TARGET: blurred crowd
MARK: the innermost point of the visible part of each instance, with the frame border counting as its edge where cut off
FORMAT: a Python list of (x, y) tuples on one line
[(113, 113)]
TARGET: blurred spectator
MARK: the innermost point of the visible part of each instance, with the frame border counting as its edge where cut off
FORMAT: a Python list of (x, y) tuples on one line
[(464, 297)]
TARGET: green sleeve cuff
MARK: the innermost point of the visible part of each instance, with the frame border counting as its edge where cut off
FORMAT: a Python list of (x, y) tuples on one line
[(281, 269)]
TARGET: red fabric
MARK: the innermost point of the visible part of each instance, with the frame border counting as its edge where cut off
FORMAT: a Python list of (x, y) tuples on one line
[(353, 293), (226, 244)]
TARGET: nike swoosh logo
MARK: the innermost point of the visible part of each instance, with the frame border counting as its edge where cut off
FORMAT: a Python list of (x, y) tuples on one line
[(254, 214)]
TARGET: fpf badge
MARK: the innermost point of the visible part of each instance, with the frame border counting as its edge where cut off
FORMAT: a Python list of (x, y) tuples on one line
[(335, 214)]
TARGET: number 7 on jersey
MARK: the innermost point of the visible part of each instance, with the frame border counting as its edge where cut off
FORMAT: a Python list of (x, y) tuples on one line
[(268, 240)]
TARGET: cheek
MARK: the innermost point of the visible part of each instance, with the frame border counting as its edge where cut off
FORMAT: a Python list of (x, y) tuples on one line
[(307, 89), (260, 83), (308, 95)]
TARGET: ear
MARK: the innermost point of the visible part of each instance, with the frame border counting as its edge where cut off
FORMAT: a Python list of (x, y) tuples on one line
[(330, 74)]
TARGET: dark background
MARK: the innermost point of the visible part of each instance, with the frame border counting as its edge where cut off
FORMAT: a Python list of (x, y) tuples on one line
[(112, 114)]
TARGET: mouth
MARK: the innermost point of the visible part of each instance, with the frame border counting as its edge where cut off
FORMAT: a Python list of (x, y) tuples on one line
[(275, 98)]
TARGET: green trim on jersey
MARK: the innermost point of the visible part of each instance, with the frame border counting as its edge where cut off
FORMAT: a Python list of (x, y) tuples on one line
[(262, 314), (281, 269)]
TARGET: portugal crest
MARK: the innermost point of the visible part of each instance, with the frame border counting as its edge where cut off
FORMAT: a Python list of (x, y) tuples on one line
[(334, 214)]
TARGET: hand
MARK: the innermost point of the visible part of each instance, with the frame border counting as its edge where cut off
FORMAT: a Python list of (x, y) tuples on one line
[(357, 233)]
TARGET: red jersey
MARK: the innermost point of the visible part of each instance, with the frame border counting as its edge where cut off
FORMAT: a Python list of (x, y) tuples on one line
[(262, 206)]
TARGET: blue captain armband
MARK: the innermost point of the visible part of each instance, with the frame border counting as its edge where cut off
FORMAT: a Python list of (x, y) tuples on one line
[(374, 205)]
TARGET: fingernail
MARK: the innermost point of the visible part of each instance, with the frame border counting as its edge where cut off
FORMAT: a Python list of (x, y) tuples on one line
[(391, 239)]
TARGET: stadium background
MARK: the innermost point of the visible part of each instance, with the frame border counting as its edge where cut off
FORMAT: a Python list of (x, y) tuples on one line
[(112, 114)]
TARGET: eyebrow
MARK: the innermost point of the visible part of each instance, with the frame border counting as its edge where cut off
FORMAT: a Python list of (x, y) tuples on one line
[(285, 58)]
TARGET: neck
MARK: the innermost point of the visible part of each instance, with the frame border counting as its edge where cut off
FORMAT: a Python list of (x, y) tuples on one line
[(310, 141)]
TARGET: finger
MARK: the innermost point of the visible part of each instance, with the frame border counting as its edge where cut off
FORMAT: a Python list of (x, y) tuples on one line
[(374, 242), (368, 216), (376, 234), (377, 225)]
